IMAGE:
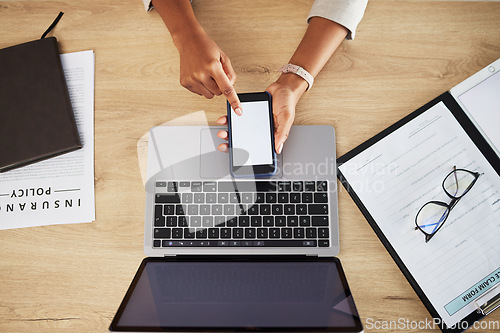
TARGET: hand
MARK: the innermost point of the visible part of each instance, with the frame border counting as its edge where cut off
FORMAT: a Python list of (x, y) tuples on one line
[(205, 69), (286, 92)]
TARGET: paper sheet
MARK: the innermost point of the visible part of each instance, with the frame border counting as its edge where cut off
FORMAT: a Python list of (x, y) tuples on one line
[(61, 189), (399, 174)]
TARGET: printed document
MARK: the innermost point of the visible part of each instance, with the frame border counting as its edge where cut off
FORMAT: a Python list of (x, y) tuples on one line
[(61, 189), (397, 175)]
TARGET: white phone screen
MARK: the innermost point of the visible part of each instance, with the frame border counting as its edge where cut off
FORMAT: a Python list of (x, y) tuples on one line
[(251, 135)]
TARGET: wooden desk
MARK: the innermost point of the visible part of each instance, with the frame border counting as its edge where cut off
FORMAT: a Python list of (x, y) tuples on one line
[(73, 277)]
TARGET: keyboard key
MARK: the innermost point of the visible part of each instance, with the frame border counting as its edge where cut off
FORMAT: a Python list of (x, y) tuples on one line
[(283, 197), (229, 210), (177, 232), (280, 221), (204, 209), (199, 198), (241, 209), (187, 198), (277, 209), (192, 209), (307, 197), (179, 210), (310, 186), (220, 221), (244, 221), (262, 232), (195, 222), (274, 233), (196, 186), (167, 198), (223, 198), (161, 233), (321, 197), (216, 209), (223, 243), (182, 221), (235, 243), (292, 221), (314, 209), (172, 187), (250, 233), (189, 233), (311, 233), (159, 221), (161, 184), (256, 221), (298, 232), (305, 221), (226, 233), (295, 197), (247, 197), (234, 198), (168, 210), (270, 197), (286, 233), (213, 233), (268, 221), (284, 186), (265, 209), (323, 233), (206, 222), (157, 243), (184, 184), (289, 209), (301, 209), (209, 186), (298, 186), (324, 243), (158, 210), (253, 210), (322, 186), (259, 197), (171, 221), (201, 233), (233, 222), (320, 221), (211, 198)]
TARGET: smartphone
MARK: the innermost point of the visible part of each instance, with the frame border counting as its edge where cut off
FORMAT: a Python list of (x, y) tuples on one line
[(251, 137)]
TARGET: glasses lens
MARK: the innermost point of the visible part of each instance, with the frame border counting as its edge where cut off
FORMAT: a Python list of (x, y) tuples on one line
[(431, 216), (458, 183)]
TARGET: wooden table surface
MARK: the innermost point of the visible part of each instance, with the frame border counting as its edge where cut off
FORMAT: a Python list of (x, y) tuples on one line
[(73, 277)]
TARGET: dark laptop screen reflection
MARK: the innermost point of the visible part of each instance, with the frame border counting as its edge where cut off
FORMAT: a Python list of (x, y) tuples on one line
[(236, 294)]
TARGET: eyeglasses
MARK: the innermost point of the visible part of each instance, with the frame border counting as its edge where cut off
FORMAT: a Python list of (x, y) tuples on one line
[(431, 217)]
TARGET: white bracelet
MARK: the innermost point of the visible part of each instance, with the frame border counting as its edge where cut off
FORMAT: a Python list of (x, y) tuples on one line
[(290, 68)]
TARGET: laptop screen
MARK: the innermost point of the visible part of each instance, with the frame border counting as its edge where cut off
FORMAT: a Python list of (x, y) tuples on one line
[(228, 295)]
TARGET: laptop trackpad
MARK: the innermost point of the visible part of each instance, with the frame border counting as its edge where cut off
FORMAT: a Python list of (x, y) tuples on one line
[(213, 163)]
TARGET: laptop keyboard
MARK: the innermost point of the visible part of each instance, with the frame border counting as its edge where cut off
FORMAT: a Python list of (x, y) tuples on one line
[(241, 214)]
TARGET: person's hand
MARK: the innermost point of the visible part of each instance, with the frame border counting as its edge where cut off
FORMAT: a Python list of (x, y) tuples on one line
[(286, 92), (204, 69)]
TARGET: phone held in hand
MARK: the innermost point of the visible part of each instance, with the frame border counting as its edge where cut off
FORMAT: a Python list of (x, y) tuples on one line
[(251, 137)]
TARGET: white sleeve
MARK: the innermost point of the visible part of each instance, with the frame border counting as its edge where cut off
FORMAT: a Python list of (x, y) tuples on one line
[(344, 12), (148, 5)]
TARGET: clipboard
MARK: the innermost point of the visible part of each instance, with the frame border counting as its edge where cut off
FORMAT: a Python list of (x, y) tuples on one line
[(366, 154)]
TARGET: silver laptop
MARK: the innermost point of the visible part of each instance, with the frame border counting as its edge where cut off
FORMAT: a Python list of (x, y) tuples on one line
[(194, 206)]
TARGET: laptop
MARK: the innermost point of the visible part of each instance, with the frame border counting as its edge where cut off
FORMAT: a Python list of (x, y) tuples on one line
[(228, 254)]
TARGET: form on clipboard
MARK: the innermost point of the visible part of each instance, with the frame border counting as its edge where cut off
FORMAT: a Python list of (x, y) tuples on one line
[(392, 176)]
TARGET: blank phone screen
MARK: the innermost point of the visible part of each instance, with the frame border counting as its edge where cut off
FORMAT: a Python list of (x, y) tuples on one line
[(251, 135)]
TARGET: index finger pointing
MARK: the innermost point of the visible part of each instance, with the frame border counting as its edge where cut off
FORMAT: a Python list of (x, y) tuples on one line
[(227, 89)]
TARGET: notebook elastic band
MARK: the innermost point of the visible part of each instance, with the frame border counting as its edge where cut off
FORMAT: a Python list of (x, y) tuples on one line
[(52, 25)]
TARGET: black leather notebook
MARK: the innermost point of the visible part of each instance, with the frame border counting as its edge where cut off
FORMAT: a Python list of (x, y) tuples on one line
[(36, 117)]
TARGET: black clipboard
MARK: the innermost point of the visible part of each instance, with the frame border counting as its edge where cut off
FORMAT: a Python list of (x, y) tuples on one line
[(483, 147)]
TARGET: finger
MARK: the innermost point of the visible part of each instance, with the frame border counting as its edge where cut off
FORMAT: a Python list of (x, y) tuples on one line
[(228, 68), (222, 120), (283, 124), (222, 134), (228, 90), (223, 147), (211, 85), (199, 89)]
